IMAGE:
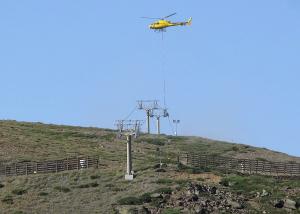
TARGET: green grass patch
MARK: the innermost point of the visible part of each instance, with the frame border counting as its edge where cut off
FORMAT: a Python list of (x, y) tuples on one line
[(171, 211), (255, 183)]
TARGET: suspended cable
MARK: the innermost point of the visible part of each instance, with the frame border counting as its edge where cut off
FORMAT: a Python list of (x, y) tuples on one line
[(163, 69), (129, 115), (171, 125)]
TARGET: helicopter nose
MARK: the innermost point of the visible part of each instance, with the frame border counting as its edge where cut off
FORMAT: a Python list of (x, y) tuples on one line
[(151, 26)]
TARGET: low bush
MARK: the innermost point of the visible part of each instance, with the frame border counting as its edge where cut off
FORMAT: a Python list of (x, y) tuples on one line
[(164, 190), (19, 191), (93, 177), (8, 199), (145, 198), (18, 212), (1, 185), (62, 189), (93, 184), (130, 201), (43, 193)]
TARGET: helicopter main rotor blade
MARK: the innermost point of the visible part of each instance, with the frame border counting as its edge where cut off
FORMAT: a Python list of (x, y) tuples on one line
[(170, 15), (149, 17)]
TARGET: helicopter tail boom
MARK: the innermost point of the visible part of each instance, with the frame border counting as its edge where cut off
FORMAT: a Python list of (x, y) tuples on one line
[(189, 22)]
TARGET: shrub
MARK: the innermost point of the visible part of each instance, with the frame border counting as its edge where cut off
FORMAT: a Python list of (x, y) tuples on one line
[(8, 199), (235, 148), (109, 185), (18, 212), (19, 191), (62, 189), (130, 201), (94, 184), (164, 190), (93, 177), (43, 193), (1, 186), (145, 198)]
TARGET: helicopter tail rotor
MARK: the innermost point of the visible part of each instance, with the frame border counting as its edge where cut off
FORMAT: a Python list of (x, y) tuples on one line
[(189, 22)]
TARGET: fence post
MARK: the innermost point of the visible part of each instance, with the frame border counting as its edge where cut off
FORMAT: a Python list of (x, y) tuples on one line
[(26, 169), (77, 163), (187, 158), (87, 162), (56, 167)]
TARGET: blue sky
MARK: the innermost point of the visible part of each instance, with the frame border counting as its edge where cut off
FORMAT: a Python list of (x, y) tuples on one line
[(233, 75)]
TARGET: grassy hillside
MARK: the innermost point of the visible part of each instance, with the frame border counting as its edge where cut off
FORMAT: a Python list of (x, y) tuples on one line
[(101, 190)]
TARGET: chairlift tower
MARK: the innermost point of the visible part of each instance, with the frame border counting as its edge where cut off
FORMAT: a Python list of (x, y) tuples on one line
[(160, 112), (176, 122), (128, 128), (149, 106)]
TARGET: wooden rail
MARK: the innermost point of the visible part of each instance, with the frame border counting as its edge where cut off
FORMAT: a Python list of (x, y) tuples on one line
[(29, 168), (245, 166)]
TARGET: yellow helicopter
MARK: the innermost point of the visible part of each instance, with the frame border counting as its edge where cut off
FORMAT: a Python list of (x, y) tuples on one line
[(161, 24)]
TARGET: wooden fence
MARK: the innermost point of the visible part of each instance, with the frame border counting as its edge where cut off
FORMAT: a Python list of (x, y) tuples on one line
[(29, 168), (245, 166)]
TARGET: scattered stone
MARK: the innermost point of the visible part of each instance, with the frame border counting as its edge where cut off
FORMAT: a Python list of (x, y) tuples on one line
[(235, 205), (203, 198), (156, 195)]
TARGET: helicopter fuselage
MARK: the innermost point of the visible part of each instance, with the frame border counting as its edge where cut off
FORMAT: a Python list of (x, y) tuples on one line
[(162, 24)]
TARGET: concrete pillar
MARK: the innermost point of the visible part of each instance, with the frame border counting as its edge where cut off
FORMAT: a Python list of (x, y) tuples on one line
[(129, 174), (158, 125), (148, 121)]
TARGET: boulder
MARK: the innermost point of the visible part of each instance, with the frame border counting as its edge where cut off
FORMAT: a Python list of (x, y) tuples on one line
[(235, 204), (264, 193), (289, 204), (156, 195)]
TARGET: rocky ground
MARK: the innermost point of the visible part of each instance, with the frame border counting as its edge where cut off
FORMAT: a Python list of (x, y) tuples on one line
[(206, 199)]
